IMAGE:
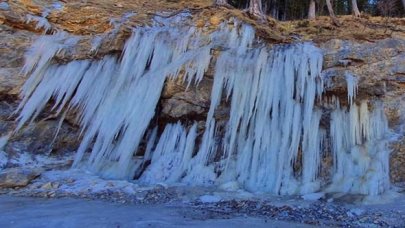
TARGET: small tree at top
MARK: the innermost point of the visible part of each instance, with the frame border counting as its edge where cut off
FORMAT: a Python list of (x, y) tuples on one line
[(221, 2), (311, 10), (256, 9)]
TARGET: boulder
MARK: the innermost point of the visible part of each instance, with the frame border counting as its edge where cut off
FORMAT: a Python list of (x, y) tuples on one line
[(17, 177)]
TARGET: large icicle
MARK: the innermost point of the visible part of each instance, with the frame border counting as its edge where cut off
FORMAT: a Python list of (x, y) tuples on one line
[(172, 155), (361, 154), (272, 116), (116, 100)]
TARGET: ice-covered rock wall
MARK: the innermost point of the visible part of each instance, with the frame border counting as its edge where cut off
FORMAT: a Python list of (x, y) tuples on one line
[(274, 122)]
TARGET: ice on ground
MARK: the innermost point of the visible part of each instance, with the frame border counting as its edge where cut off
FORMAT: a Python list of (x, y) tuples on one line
[(26, 159), (4, 6), (210, 199), (313, 196), (3, 159), (76, 182)]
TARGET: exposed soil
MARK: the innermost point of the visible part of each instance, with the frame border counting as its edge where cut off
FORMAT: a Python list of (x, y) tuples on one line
[(93, 16)]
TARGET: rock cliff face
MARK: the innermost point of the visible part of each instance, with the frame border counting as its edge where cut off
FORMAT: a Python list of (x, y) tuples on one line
[(376, 65), (379, 67)]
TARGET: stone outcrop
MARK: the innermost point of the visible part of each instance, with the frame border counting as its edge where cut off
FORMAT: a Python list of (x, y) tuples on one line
[(17, 177)]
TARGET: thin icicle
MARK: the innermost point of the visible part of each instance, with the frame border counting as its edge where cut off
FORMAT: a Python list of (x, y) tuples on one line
[(41, 22), (351, 82), (3, 141)]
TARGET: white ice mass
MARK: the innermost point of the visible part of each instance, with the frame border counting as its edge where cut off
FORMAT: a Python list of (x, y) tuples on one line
[(273, 141)]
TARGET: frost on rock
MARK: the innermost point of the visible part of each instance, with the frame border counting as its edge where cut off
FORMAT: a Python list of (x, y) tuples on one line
[(42, 21), (273, 122), (116, 24)]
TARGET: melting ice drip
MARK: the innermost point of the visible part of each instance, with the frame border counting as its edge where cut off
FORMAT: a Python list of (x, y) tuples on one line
[(273, 121)]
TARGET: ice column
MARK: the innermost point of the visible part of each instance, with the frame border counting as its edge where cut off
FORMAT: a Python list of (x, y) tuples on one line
[(361, 153)]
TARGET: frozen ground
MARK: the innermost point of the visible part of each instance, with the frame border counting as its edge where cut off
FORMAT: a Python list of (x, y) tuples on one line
[(37, 212)]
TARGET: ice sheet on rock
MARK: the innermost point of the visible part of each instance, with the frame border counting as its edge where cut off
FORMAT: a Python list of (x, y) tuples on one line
[(4, 6)]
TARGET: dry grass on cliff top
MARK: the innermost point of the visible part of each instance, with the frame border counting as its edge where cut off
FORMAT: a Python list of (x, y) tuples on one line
[(93, 16)]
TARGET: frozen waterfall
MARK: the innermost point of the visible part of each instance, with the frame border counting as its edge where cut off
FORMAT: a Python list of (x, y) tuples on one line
[(360, 150), (272, 142)]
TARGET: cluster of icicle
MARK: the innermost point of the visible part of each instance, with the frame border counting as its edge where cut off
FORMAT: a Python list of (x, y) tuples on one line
[(273, 122), (360, 150)]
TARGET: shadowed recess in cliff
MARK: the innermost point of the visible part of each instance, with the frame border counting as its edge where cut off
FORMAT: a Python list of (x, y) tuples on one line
[(273, 122)]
